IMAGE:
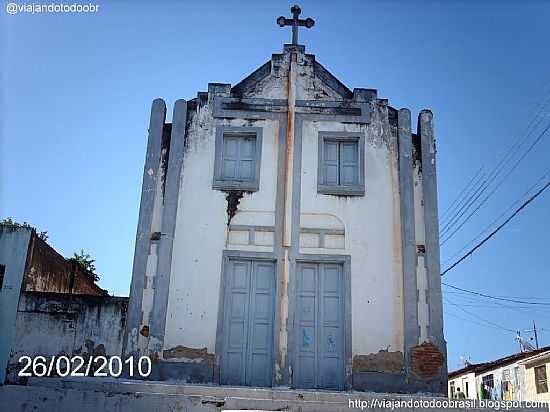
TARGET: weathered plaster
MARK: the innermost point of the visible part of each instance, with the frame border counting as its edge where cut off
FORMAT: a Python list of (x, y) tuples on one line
[(378, 232), (142, 262), (73, 324), (191, 355), (375, 280), (14, 244), (408, 241), (383, 361), (202, 225), (169, 209)]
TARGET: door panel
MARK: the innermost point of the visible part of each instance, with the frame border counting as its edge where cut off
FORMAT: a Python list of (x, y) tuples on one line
[(236, 322), (320, 331), (306, 368), (260, 346), (248, 313)]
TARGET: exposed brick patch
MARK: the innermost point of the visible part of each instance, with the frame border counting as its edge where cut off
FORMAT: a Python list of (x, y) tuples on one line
[(426, 360), (144, 331)]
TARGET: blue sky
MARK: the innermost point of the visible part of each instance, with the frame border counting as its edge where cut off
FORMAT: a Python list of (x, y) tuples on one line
[(76, 92)]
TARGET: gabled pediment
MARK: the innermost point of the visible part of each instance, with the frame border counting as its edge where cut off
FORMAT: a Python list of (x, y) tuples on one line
[(315, 82)]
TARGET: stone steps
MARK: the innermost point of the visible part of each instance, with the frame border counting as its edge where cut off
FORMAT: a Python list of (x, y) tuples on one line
[(117, 395)]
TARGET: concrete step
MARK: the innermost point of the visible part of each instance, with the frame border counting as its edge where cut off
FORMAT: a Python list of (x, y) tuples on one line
[(175, 388), (114, 395)]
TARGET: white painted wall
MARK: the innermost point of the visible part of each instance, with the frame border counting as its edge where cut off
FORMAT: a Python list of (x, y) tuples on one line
[(460, 382), (421, 272), (372, 236), (201, 231), (371, 224), (530, 388)]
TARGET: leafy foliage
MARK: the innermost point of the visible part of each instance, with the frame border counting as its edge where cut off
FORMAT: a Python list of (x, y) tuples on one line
[(86, 263), (10, 222)]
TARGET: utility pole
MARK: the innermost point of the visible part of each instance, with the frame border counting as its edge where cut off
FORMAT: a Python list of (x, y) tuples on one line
[(536, 337), (534, 331)]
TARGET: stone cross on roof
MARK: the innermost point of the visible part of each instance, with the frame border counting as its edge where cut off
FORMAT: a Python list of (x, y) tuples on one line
[(295, 22)]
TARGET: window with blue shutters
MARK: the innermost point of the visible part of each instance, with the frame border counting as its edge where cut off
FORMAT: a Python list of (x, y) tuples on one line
[(238, 155), (341, 165)]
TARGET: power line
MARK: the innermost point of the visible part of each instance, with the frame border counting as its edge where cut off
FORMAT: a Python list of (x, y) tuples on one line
[(473, 321), (494, 232), (499, 306), (467, 295), (495, 297), (512, 150), (465, 207), (479, 317), (540, 179), (499, 184), (459, 196), (476, 302), (480, 301)]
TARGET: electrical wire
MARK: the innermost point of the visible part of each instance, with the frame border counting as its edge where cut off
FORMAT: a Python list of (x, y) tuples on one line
[(524, 302), (499, 184), (462, 195), (488, 227), (474, 297), (504, 161), (473, 321), (494, 232), (471, 201), (479, 317)]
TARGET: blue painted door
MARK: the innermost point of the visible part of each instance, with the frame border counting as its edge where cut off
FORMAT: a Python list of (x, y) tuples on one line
[(249, 305), (319, 333)]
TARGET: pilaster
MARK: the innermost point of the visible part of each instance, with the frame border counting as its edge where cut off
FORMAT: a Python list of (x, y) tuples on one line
[(143, 237)]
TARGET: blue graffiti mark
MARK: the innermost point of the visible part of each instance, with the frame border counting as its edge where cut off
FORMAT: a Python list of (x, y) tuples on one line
[(306, 339), (331, 344)]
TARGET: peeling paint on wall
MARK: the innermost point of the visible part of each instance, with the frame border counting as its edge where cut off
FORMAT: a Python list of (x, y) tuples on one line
[(50, 324), (186, 354), (383, 361), (371, 223), (233, 199)]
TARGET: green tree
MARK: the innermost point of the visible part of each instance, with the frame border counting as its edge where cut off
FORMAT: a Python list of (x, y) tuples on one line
[(8, 221), (86, 263)]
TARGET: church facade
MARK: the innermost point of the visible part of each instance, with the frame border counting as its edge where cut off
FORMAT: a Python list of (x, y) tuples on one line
[(288, 236)]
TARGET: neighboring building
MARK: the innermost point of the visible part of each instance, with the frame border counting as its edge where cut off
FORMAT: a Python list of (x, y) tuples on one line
[(49, 306), (288, 236), (537, 374), (507, 378)]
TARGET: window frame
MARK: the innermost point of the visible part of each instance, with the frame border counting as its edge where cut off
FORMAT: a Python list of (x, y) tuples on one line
[(220, 183), (341, 190), (452, 388), (541, 383), (485, 379)]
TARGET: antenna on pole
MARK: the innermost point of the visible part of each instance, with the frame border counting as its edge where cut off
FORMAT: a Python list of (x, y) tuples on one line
[(465, 360), (534, 330), (536, 337), (523, 344)]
